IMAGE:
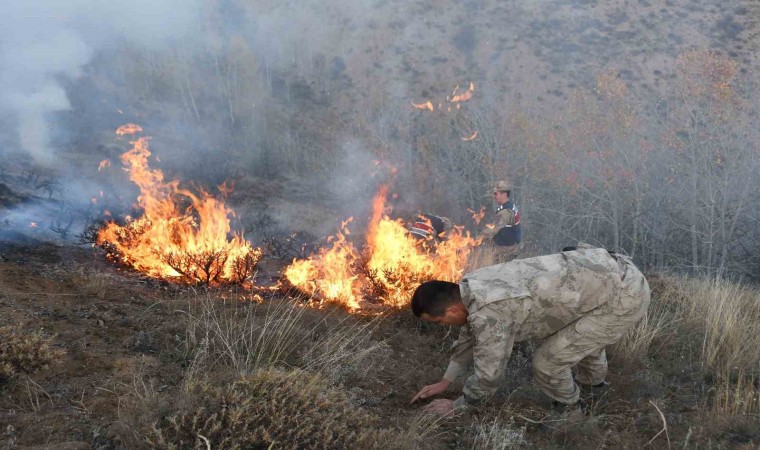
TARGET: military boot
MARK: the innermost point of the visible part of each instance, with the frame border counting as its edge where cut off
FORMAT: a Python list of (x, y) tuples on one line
[(570, 413), (596, 392)]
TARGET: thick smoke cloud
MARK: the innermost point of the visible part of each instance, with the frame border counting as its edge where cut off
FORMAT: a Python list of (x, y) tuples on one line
[(44, 44)]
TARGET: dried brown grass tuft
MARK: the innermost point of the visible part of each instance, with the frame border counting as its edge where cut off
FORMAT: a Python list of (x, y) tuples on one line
[(24, 352), (271, 409), (713, 323), (480, 256)]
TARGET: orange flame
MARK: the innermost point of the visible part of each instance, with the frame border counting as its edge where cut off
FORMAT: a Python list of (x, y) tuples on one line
[(103, 164), (427, 105), (394, 263), (129, 128), (478, 216), (464, 96), (455, 98), (329, 275), (192, 244), (470, 137)]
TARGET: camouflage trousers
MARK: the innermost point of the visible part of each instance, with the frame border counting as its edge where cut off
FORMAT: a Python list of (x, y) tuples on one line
[(582, 343)]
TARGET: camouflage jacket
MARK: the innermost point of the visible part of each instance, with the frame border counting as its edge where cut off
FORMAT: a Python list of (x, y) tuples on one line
[(522, 299)]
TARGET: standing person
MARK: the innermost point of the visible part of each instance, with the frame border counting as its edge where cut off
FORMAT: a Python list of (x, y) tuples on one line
[(506, 234), (576, 302)]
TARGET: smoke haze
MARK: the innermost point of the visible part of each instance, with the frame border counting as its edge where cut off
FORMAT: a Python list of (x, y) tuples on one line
[(45, 44)]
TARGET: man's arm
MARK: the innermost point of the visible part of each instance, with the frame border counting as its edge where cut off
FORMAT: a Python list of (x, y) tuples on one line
[(461, 356), (494, 336), (461, 359)]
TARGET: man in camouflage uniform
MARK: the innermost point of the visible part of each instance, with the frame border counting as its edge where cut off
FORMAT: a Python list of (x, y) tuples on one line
[(577, 302), (506, 234)]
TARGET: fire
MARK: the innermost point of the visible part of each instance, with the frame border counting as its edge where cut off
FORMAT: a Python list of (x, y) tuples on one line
[(33, 225), (454, 98), (129, 128), (464, 96), (477, 216), (329, 275), (181, 235), (391, 266), (470, 137), (104, 164), (427, 105)]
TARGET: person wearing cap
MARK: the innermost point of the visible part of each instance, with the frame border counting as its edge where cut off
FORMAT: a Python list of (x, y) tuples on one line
[(506, 233), (575, 303)]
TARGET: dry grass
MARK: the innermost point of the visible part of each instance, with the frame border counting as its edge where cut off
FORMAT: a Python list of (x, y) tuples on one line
[(262, 375), (246, 337), (24, 352), (496, 434), (99, 285), (723, 318), (480, 256), (271, 409)]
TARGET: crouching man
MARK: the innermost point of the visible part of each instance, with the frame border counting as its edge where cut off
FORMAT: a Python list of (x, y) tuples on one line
[(577, 302)]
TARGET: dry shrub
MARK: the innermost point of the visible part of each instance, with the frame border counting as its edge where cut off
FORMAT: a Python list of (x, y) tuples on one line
[(714, 323), (652, 331), (730, 315), (495, 434), (272, 409), (480, 256), (24, 353), (212, 267), (246, 337), (96, 284), (242, 336)]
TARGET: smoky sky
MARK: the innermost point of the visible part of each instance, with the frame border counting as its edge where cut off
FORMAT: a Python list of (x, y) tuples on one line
[(44, 44)]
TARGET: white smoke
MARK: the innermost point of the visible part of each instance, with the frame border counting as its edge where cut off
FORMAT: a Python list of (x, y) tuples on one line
[(44, 43)]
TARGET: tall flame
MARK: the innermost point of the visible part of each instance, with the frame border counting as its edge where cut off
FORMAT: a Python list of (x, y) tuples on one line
[(392, 263), (329, 275), (192, 243)]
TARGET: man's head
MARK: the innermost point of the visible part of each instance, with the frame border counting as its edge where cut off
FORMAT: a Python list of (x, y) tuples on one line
[(439, 302), (501, 192)]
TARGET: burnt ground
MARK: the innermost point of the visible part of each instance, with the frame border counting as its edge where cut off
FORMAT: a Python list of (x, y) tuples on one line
[(125, 339), (119, 329)]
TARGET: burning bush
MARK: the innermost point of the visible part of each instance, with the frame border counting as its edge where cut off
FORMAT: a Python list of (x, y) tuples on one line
[(268, 409), (192, 244), (391, 266)]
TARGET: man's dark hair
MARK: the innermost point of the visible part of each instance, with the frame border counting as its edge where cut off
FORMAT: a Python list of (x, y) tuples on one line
[(433, 297)]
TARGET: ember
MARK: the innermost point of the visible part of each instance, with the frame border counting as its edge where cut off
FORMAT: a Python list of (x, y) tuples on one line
[(192, 244), (454, 98), (388, 270), (471, 137), (477, 216)]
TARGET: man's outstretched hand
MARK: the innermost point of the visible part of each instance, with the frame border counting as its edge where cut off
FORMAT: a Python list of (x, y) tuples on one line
[(431, 390)]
